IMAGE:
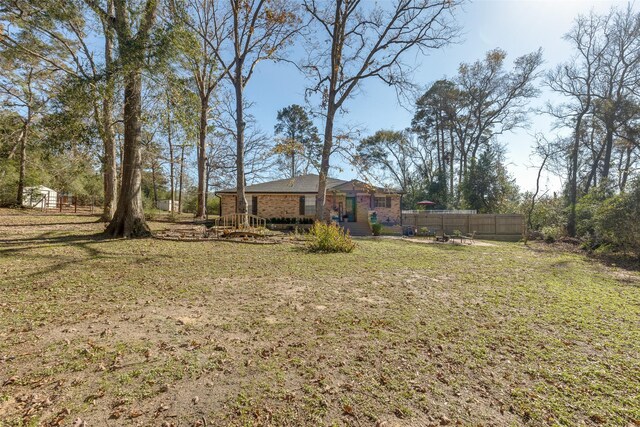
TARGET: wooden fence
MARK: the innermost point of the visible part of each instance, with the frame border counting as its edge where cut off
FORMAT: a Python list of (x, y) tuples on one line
[(501, 227), (76, 205)]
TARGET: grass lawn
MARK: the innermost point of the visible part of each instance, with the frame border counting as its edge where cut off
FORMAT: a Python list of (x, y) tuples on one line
[(156, 332)]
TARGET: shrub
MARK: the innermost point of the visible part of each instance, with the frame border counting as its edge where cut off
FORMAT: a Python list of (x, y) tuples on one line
[(290, 221), (329, 238), (551, 234), (376, 228), (616, 220)]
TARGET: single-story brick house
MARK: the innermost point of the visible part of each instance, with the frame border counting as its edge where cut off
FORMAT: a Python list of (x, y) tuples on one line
[(350, 201)]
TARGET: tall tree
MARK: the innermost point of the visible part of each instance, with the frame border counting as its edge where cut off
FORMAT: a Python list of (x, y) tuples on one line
[(433, 122), (619, 75), (496, 100), (487, 187), (299, 142), (132, 27), (206, 32), (25, 88), (576, 80), (367, 41), (456, 119), (259, 30), (63, 28), (388, 156)]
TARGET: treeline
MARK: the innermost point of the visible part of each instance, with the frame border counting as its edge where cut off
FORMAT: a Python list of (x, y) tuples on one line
[(145, 81), (450, 154), (141, 100), (596, 150)]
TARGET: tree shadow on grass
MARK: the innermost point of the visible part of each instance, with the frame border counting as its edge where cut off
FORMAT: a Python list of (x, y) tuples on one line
[(23, 248), (47, 224)]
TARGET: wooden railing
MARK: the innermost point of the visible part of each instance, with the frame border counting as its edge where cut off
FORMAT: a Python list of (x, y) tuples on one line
[(239, 221)]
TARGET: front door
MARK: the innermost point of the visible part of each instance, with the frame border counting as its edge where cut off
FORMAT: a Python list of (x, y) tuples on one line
[(351, 209)]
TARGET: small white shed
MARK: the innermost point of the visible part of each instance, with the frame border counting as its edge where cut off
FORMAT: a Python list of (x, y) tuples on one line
[(40, 197), (168, 205)]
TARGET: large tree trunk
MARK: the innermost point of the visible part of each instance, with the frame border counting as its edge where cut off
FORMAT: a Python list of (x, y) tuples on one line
[(206, 188), (607, 152), (181, 179), (172, 187), (110, 172), (23, 163), (321, 197), (625, 171), (128, 220), (573, 178), (593, 175), (451, 169), (155, 185), (241, 200), (202, 150), (337, 44)]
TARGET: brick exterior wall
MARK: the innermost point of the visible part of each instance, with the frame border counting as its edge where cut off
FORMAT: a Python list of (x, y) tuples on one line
[(276, 206), (363, 203), (269, 205), (393, 213), (228, 204), (288, 205)]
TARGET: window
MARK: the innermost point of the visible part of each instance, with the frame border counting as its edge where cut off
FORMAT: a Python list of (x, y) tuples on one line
[(382, 202), (309, 205), (301, 205), (254, 205)]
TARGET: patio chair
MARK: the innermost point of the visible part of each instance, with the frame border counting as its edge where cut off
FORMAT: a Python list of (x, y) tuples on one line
[(470, 237)]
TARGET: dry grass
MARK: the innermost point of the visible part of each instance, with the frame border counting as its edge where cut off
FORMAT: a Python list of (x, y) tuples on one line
[(153, 332)]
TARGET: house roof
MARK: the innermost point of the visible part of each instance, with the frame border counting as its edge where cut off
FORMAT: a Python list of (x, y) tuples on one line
[(40, 188), (304, 184)]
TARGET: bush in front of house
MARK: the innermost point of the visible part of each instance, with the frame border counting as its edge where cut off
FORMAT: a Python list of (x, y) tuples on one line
[(290, 221), (329, 238), (376, 228)]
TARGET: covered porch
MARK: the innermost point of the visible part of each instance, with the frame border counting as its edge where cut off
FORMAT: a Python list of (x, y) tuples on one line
[(363, 207)]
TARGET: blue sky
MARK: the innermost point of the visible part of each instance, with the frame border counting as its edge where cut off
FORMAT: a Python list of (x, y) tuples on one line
[(516, 26)]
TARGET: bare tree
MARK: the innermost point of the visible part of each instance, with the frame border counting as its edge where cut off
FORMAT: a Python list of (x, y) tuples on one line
[(495, 100), (388, 156), (259, 30), (576, 81), (543, 149), (618, 76), (258, 163), (207, 25), (367, 41)]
